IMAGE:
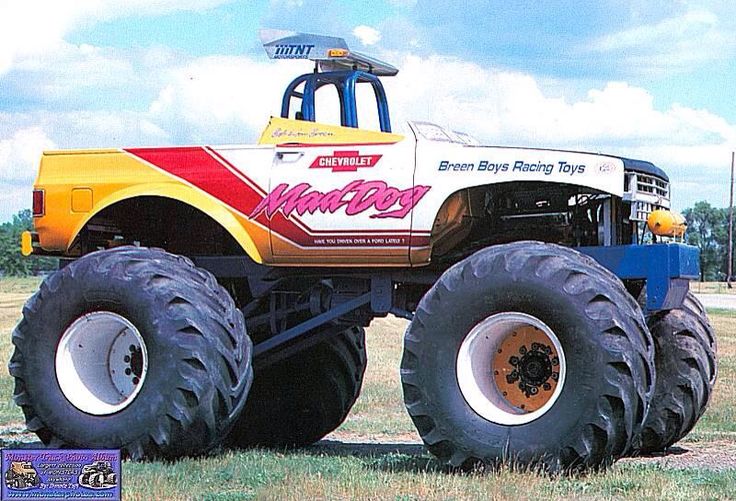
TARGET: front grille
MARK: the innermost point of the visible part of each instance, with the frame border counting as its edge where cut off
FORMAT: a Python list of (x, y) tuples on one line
[(653, 185), (646, 193)]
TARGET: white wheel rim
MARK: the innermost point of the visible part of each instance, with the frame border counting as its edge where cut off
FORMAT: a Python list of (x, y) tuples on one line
[(101, 363), (481, 364)]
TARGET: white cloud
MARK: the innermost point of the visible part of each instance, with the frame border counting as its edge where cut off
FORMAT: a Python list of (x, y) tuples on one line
[(503, 107), (19, 154), (677, 43), (32, 27), (367, 35), (222, 98)]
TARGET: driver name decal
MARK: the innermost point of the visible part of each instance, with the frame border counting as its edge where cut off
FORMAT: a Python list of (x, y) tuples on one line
[(356, 198)]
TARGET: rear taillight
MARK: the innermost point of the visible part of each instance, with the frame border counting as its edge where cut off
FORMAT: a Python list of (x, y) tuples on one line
[(39, 203)]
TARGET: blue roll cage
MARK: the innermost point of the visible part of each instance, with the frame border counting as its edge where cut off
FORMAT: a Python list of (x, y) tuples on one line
[(345, 82)]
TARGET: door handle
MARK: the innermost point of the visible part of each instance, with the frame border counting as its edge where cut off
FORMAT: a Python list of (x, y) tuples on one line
[(289, 156)]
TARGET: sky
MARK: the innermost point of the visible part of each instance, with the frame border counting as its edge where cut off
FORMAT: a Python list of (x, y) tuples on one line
[(647, 79)]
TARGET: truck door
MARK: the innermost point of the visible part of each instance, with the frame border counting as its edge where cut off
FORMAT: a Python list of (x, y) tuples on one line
[(331, 203)]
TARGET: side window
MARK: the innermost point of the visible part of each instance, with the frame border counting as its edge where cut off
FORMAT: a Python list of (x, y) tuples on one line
[(367, 105), (327, 105)]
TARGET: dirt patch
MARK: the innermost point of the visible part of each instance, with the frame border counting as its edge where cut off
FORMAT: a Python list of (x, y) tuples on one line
[(714, 455)]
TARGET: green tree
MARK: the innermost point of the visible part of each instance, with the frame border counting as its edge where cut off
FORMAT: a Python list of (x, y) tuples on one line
[(708, 230), (12, 263)]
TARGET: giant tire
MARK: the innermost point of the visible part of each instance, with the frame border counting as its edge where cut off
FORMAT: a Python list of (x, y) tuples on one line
[(198, 354), (685, 359), (601, 329), (299, 400)]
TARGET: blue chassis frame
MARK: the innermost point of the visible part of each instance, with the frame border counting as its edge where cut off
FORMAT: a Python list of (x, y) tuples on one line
[(666, 268)]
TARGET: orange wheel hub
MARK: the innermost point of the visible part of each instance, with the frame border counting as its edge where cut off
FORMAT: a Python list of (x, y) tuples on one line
[(525, 368)]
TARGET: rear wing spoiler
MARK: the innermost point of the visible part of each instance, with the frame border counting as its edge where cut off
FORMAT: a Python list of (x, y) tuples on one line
[(330, 53)]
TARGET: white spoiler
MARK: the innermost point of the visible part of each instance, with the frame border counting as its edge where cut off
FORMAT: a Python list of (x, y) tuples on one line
[(330, 53)]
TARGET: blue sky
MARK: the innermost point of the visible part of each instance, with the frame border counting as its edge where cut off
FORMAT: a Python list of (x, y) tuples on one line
[(647, 79)]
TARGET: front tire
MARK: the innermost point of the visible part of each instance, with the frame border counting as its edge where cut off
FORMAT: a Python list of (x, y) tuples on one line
[(131, 348), (576, 320), (685, 359)]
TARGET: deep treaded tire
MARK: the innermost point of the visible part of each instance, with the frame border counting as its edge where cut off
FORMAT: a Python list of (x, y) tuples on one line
[(199, 355), (299, 400), (608, 351), (685, 358)]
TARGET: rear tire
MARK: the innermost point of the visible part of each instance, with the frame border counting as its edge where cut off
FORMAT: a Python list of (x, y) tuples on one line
[(193, 356), (460, 406), (297, 401), (685, 358)]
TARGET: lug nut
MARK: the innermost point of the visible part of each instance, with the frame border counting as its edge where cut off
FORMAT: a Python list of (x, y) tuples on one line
[(514, 361), (522, 350), (547, 386)]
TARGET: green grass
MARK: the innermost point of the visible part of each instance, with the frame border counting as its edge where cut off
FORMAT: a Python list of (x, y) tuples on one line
[(721, 415), (316, 475), (394, 469)]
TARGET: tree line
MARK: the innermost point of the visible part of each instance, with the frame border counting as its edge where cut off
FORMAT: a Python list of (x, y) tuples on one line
[(707, 230), (12, 263)]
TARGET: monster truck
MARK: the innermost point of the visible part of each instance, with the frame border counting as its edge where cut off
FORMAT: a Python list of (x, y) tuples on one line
[(21, 475), (98, 475), (551, 323)]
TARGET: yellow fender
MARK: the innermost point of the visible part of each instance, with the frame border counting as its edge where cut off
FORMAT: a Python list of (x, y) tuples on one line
[(185, 194)]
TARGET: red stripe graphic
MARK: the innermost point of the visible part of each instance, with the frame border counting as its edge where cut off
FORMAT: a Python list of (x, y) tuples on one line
[(207, 170)]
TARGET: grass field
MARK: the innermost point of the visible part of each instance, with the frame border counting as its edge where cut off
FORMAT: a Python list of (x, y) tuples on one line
[(352, 465)]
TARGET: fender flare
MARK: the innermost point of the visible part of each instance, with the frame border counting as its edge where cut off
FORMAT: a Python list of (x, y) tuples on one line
[(215, 209)]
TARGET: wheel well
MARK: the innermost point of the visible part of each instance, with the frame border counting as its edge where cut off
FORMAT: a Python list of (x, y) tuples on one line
[(153, 221), (559, 213)]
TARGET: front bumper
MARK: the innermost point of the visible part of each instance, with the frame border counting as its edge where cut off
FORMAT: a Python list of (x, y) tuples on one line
[(666, 267)]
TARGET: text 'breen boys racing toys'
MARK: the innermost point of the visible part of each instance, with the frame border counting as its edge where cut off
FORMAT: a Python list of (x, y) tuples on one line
[(190, 272)]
